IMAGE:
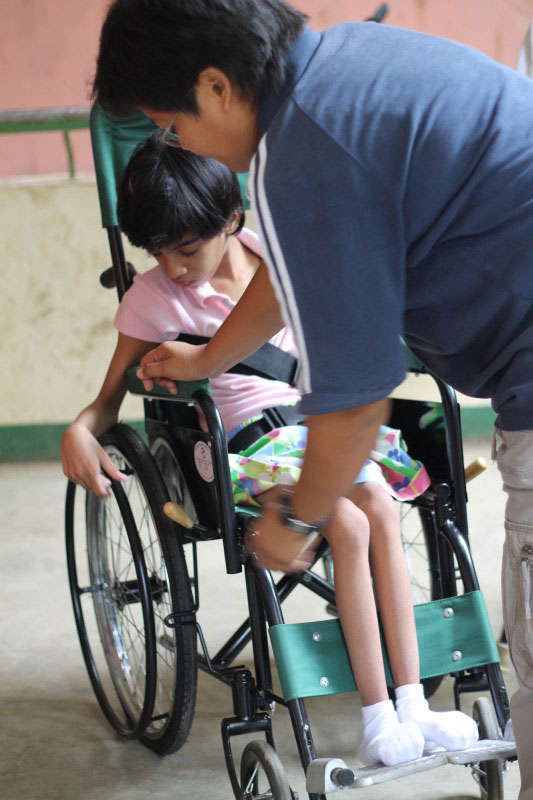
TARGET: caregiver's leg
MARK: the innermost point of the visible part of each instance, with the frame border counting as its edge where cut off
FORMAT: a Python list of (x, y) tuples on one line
[(514, 454)]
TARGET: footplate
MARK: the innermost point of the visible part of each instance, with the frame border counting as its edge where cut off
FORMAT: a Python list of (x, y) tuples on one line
[(320, 776), (322, 773), (485, 750)]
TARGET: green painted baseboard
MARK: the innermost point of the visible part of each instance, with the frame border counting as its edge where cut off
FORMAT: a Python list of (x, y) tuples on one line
[(38, 442), (477, 422)]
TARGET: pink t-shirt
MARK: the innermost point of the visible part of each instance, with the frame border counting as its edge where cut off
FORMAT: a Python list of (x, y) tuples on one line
[(155, 309)]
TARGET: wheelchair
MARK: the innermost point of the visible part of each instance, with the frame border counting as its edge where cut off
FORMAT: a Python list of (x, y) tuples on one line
[(133, 572)]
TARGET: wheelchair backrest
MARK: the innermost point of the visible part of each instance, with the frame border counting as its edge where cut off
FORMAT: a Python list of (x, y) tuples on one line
[(113, 140)]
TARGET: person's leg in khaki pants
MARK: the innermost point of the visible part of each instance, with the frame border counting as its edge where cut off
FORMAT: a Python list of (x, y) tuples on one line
[(514, 454)]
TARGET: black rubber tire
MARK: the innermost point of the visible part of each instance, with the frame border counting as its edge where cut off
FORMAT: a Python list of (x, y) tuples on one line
[(108, 597), (169, 466), (168, 735), (490, 773), (259, 755), (174, 648)]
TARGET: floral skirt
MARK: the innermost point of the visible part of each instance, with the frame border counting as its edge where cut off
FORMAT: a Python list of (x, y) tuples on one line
[(277, 458)]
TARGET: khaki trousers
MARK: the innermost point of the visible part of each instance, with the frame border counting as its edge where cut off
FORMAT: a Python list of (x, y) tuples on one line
[(513, 451)]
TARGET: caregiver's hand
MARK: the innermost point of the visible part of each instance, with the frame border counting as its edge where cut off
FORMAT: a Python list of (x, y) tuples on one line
[(172, 361), (278, 547)]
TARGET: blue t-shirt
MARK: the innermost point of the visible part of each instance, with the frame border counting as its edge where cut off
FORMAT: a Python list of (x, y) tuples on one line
[(393, 190)]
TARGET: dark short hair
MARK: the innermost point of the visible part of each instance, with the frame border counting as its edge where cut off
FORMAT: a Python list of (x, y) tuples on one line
[(152, 51), (167, 193)]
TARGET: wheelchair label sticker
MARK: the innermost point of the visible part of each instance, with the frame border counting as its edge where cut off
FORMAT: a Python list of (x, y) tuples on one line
[(204, 461)]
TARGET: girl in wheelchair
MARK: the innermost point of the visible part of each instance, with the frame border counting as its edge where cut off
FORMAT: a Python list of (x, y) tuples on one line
[(186, 211)]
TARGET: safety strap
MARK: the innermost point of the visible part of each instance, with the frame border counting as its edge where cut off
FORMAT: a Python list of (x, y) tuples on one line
[(268, 362)]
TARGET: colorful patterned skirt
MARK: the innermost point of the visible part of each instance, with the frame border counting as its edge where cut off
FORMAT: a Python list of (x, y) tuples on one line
[(277, 458)]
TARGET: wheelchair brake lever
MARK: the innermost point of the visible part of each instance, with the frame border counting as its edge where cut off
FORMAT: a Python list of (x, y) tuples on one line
[(107, 277), (175, 512)]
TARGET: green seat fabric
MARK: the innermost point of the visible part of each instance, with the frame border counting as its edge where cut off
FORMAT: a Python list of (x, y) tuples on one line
[(312, 660)]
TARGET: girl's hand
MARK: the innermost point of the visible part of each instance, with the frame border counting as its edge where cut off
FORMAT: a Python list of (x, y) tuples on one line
[(276, 546), (83, 457), (173, 361)]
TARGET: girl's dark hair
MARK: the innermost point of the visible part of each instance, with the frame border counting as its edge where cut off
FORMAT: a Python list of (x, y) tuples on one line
[(167, 193), (152, 51)]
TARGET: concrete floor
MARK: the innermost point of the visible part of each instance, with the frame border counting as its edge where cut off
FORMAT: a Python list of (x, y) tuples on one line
[(54, 741)]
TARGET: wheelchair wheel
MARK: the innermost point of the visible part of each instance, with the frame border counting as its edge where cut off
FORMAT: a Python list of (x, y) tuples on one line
[(262, 773), (126, 701), (172, 474), (166, 659), (419, 546), (488, 774)]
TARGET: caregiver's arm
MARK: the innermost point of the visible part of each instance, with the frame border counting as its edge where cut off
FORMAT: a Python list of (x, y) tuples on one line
[(337, 447), (255, 318)]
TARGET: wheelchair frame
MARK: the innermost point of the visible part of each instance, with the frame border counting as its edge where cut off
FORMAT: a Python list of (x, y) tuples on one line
[(440, 507), (442, 510)]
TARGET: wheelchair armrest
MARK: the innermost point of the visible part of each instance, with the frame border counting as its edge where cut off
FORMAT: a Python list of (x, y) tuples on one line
[(186, 389)]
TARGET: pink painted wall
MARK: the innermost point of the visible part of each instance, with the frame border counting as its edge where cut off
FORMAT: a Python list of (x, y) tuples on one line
[(47, 51)]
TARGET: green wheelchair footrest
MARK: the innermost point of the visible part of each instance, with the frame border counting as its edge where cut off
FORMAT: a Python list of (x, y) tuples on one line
[(453, 634)]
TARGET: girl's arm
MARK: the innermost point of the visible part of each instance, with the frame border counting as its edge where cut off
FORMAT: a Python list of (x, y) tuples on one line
[(82, 456), (253, 321)]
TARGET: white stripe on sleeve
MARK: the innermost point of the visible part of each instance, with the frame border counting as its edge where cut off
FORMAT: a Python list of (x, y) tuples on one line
[(279, 274)]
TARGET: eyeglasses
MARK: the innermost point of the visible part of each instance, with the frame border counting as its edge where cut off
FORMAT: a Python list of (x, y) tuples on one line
[(169, 136)]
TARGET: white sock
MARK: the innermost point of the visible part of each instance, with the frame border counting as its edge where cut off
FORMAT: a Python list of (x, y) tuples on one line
[(453, 730), (386, 739)]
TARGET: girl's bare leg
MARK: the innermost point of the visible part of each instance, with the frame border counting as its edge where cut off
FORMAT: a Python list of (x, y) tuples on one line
[(391, 580), (385, 738), (451, 729), (348, 537)]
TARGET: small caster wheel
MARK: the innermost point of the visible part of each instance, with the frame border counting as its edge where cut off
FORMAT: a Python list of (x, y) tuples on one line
[(488, 774), (262, 773)]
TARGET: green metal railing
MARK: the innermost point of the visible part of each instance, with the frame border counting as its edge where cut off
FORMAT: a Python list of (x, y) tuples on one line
[(39, 120)]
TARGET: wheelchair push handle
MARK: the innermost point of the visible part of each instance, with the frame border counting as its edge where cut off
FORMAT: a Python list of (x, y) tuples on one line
[(379, 14), (108, 277)]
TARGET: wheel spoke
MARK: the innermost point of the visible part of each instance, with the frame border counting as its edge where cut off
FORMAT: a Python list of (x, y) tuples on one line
[(251, 782), (151, 549), (416, 554), (124, 573)]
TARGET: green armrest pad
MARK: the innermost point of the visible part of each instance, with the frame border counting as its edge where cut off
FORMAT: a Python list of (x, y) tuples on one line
[(186, 389), (312, 660), (412, 363)]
